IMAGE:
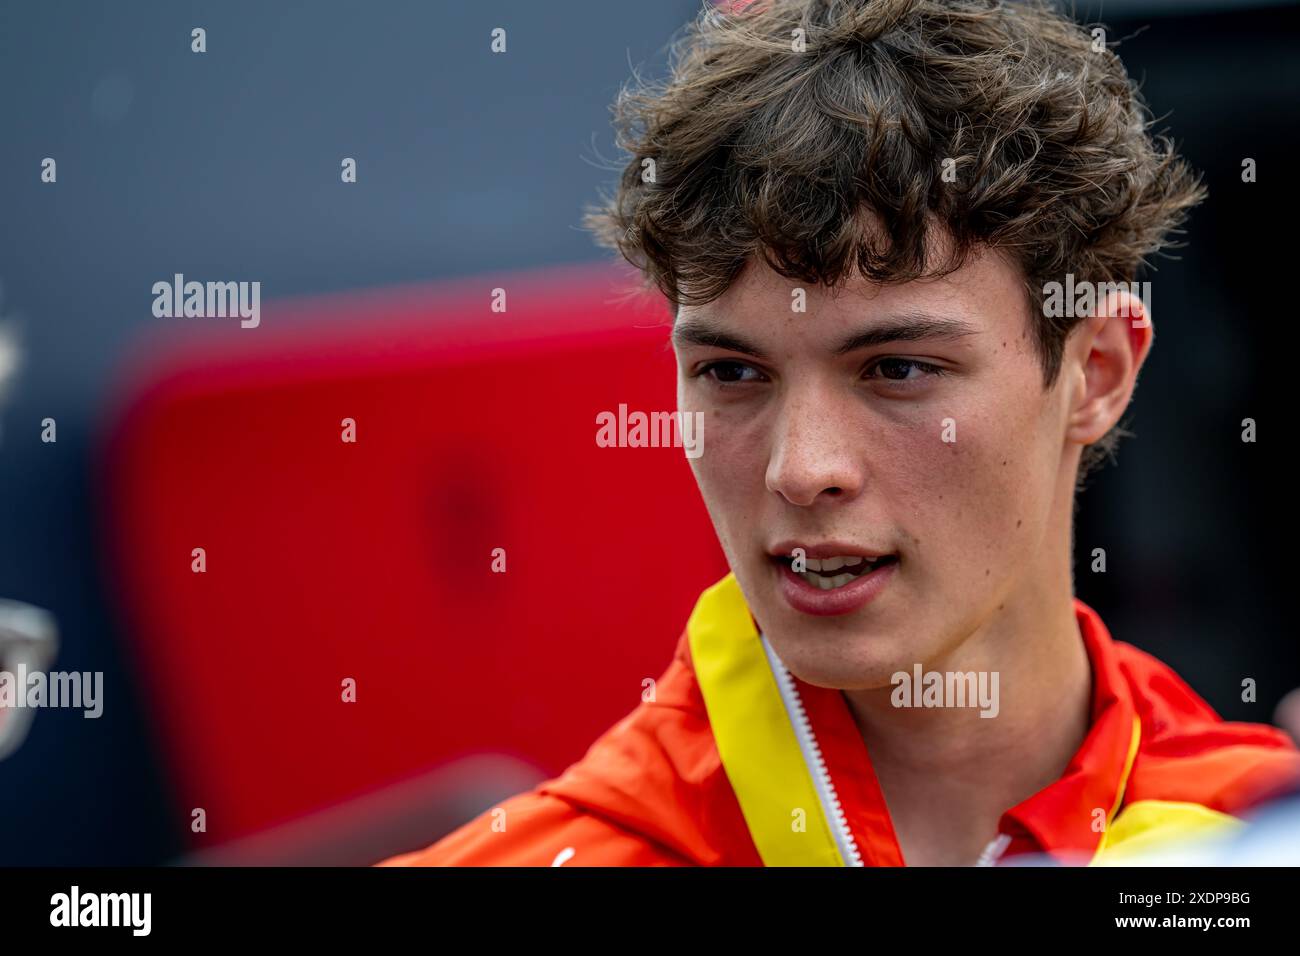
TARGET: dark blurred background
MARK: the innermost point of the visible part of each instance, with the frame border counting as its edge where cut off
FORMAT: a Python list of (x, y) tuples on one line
[(171, 162)]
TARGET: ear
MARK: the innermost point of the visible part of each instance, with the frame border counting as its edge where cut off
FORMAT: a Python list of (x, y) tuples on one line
[(1106, 352)]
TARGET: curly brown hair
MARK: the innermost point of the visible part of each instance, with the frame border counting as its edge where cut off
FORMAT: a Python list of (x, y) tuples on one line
[(780, 125)]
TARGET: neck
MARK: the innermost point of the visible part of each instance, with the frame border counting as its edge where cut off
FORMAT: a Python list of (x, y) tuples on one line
[(947, 773)]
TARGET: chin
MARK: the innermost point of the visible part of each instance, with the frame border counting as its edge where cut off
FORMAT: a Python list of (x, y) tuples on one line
[(842, 662)]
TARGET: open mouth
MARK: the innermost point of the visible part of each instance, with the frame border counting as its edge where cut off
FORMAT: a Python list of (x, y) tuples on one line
[(835, 572)]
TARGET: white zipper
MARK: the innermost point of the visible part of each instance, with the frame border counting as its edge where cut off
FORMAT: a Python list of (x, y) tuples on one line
[(993, 852), (813, 759), (816, 763)]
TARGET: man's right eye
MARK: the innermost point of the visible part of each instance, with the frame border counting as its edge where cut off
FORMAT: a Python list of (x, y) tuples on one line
[(731, 373)]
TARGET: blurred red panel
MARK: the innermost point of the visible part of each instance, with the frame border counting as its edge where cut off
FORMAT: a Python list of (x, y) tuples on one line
[(327, 560)]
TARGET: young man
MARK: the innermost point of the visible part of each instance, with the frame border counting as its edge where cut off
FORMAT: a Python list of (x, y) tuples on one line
[(859, 210)]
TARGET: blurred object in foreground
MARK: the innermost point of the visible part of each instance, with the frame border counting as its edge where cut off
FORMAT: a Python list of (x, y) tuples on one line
[(29, 641), (376, 536), (1287, 714), (375, 826)]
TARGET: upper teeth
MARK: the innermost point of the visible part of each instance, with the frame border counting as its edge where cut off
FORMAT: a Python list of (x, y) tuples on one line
[(834, 564)]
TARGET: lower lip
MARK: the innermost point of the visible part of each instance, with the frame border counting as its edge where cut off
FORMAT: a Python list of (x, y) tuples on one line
[(810, 599)]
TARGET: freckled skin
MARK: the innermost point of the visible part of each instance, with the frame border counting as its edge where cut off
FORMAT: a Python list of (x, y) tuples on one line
[(819, 452)]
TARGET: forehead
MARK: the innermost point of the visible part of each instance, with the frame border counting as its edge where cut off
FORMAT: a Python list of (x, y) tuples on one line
[(988, 291)]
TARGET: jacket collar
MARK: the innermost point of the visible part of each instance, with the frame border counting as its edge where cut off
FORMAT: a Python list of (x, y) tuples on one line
[(751, 717)]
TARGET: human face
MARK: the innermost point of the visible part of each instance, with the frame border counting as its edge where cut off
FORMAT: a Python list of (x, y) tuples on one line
[(905, 425)]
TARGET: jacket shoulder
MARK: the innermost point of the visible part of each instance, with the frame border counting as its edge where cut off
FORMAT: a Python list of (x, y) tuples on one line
[(538, 829), (1188, 753), (658, 773)]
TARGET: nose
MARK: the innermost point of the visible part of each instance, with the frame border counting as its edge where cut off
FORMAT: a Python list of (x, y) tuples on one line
[(812, 458)]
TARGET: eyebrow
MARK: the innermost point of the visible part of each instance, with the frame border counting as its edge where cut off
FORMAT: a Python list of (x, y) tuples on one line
[(705, 333), (908, 327), (903, 327)]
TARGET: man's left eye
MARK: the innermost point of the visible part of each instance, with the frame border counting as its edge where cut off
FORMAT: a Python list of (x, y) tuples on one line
[(898, 369)]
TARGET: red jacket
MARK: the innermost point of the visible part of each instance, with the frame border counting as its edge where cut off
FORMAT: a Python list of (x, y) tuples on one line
[(736, 762)]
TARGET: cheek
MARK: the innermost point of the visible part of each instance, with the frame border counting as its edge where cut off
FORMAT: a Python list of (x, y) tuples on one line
[(721, 469), (732, 468), (972, 501)]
